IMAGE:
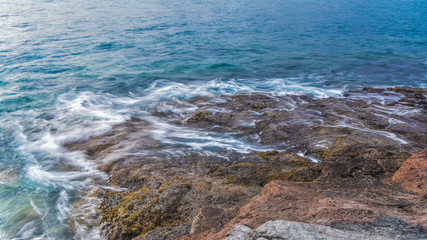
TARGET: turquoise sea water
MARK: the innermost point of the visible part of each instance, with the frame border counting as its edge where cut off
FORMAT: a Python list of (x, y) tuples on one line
[(71, 69)]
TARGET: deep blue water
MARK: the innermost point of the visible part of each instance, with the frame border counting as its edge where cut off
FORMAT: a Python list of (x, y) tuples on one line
[(71, 69)]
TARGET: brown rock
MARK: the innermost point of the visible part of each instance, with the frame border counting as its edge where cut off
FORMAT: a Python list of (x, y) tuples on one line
[(211, 218), (352, 160), (412, 175), (302, 123), (162, 196)]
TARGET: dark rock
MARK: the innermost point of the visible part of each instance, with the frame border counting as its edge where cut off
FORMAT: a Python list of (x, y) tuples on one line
[(353, 161), (384, 226)]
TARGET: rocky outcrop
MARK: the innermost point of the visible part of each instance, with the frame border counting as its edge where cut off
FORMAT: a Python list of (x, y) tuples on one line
[(348, 186), (156, 190), (412, 176), (382, 228), (162, 197), (171, 200)]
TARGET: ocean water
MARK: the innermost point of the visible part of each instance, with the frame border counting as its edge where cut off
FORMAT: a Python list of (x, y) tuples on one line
[(71, 69)]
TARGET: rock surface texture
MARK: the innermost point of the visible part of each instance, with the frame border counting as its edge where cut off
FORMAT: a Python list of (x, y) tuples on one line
[(262, 165), (412, 176), (325, 203)]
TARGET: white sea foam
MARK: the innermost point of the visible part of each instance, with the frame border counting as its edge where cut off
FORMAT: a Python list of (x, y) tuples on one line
[(27, 230), (378, 132), (200, 140), (398, 110), (166, 90), (55, 179), (291, 86), (63, 206), (311, 158), (38, 210), (90, 114)]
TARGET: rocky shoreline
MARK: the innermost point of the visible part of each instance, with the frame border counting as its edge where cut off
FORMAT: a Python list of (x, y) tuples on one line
[(332, 161)]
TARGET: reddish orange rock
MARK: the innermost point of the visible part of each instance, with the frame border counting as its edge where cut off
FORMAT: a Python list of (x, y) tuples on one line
[(412, 175)]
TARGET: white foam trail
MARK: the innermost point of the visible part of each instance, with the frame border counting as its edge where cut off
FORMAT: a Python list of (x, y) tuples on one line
[(397, 110), (27, 231), (162, 90), (381, 133), (63, 206), (66, 180), (200, 140), (90, 114), (312, 159), (3, 235), (280, 86), (35, 208)]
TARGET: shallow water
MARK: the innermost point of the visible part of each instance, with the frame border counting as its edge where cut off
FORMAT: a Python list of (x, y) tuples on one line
[(72, 69)]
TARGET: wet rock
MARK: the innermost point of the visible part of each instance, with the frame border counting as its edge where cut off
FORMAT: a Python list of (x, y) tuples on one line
[(412, 175), (174, 196), (157, 195), (157, 190), (352, 160), (393, 117)]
